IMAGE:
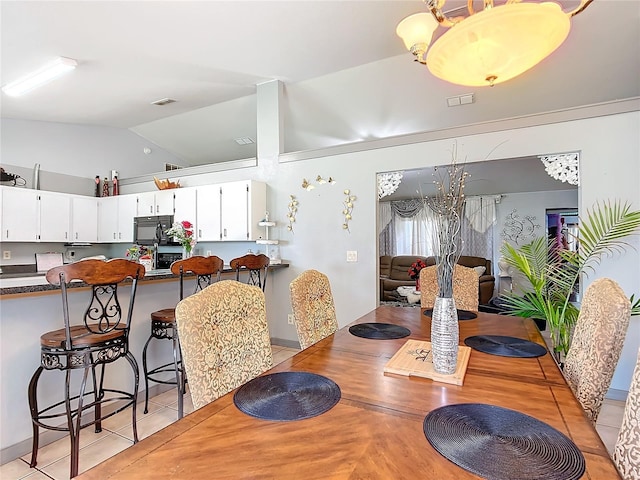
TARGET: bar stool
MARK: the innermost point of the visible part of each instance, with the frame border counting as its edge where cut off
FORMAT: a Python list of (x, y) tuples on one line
[(163, 325), (102, 338), (257, 267)]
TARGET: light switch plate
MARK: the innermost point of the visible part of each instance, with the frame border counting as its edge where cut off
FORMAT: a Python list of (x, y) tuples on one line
[(352, 256)]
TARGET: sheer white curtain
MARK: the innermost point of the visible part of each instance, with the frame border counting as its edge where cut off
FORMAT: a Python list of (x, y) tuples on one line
[(476, 231), (414, 235)]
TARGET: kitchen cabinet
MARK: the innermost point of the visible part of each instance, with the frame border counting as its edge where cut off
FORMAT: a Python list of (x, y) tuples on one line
[(184, 205), (208, 213), (242, 207), (19, 214), (84, 219), (55, 217), (155, 203), (115, 218)]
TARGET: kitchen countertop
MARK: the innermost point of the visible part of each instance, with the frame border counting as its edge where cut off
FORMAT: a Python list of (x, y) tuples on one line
[(33, 282)]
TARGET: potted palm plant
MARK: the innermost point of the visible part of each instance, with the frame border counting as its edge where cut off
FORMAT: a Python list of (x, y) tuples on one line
[(554, 273)]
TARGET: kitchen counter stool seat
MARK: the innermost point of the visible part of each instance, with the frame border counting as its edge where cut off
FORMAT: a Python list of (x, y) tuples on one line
[(163, 326), (103, 338)]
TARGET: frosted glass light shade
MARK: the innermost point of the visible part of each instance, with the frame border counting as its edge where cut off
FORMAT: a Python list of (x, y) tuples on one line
[(498, 44), (416, 31)]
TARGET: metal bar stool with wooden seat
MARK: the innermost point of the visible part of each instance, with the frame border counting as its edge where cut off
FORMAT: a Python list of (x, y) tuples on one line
[(163, 325), (103, 337), (257, 267)]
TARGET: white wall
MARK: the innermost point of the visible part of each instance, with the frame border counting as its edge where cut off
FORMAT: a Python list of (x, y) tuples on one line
[(79, 150)]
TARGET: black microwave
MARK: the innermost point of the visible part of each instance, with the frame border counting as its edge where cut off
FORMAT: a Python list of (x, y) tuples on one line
[(152, 230)]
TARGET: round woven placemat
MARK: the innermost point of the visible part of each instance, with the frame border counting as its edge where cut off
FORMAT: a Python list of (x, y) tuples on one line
[(498, 443), (462, 314), (287, 396), (379, 331), (505, 346)]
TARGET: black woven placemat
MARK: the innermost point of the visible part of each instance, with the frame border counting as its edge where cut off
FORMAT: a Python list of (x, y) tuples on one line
[(379, 331), (505, 346), (462, 314), (498, 443), (287, 396)]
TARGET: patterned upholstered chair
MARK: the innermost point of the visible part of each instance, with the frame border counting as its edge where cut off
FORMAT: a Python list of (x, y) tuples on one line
[(163, 325), (597, 343), (626, 454), (465, 287), (313, 309), (224, 338), (257, 267)]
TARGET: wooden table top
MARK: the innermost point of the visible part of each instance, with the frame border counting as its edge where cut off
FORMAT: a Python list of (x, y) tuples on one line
[(376, 429)]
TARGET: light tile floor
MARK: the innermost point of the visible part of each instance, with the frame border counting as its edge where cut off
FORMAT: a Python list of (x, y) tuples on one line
[(53, 459), (116, 435)]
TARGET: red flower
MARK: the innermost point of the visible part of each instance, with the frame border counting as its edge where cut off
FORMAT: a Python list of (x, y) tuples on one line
[(188, 233), (414, 269), (187, 224)]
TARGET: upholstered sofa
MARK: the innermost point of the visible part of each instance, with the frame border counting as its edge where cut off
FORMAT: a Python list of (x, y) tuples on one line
[(394, 273)]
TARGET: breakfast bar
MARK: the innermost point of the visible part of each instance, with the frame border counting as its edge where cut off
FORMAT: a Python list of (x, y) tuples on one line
[(376, 430)]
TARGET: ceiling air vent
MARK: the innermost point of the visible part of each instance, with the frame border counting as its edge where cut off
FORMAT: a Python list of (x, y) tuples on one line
[(163, 101), (170, 166)]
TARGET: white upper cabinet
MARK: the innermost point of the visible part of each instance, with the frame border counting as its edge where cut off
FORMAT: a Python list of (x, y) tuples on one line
[(208, 213), (115, 218), (55, 217), (243, 206), (84, 219), (19, 214), (184, 206), (155, 203)]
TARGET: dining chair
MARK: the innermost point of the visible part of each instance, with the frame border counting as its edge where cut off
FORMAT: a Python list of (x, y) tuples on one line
[(163, 325), (224, 338), (597, 342), (257, 267), (100, 339), (626, 453), (314, 312), (465, 287)]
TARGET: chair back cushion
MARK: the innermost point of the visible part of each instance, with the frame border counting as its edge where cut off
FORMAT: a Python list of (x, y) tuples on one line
[(465, 287), (224, 338), (313, 308), (626, 454), (597, 342)]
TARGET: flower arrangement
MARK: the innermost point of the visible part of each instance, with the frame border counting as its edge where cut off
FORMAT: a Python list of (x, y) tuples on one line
[(183, 233), (136, 252), (414, 269)]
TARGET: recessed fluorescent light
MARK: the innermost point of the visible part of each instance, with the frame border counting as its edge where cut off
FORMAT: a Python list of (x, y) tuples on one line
[(43, 75), (163, 101), (244, 140)]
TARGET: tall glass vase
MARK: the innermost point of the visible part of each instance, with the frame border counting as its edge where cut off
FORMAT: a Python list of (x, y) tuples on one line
[(186, 253), (444, 335)]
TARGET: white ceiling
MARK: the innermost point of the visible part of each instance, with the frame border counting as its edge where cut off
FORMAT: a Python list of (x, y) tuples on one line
[(210, 55)]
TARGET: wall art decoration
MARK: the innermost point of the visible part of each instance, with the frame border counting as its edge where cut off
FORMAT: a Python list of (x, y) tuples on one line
[(348, 208), (519, 230), (292, 209)]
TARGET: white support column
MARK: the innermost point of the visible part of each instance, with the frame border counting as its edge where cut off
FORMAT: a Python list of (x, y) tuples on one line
[(270, 129)]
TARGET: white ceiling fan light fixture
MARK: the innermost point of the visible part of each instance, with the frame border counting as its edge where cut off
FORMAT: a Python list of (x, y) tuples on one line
[(388, 183), (40, 77), (490, 46)]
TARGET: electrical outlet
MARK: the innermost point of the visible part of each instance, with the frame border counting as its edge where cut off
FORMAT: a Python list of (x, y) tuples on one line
[(208, 253), (352, 256), (6, 254), (290, 319)]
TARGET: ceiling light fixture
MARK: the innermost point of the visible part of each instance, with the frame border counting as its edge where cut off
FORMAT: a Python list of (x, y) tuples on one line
[(490, 46), (388, 183), (40, 77)]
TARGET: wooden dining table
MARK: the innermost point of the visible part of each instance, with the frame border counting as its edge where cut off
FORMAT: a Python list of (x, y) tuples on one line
[(375, 431)]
